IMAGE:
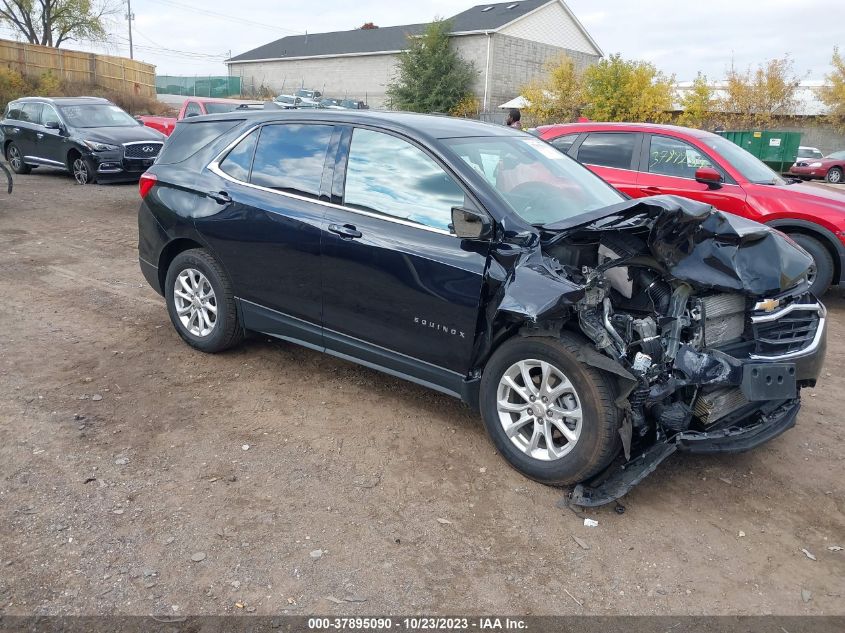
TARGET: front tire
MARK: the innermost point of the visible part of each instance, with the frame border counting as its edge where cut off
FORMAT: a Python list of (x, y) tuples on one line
[(822, 274), (15, 158), (834, 175), (81, 169), (551, 416), (201, 303)]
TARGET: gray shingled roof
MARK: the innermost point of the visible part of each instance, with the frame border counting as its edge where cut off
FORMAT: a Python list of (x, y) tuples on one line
[(391, 38)]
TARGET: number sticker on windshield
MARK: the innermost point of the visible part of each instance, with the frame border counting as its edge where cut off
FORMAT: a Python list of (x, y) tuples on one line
[(544, 148)]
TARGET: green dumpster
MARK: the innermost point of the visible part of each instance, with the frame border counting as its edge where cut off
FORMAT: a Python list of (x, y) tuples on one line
[(777, 149)]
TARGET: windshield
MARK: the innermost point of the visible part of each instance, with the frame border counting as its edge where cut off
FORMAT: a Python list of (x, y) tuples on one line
[(752, 169), (97, 115), (837, 155), (539, 183)]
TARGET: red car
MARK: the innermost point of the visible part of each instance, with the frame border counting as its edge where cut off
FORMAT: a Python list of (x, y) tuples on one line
[(197, 106), (642, 159), (831, 168)]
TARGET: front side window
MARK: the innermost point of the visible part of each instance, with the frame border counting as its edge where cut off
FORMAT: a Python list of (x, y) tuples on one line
[(673, 157), (389, 176), (615, 149), (239, 160), (193, 109), (563, 143), (290, 158), (49, 115), (749, 166), (538, 183)]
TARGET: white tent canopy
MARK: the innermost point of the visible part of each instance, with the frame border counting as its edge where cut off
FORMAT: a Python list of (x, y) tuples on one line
[(518, 102)]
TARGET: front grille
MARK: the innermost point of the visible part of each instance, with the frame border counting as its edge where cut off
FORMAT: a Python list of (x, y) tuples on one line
[(788, 330), (142, 150)]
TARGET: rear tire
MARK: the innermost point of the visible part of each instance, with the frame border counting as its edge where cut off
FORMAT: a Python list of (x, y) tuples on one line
[(822, 276), (201, 303), (834, 175), (592, 440), (15, 158)]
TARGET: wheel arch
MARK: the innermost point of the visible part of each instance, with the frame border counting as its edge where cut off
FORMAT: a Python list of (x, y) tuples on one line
[(169, 253), (824, 236), (72, 153)]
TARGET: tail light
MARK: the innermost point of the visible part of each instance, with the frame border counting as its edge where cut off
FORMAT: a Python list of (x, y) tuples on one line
[(146, 183)]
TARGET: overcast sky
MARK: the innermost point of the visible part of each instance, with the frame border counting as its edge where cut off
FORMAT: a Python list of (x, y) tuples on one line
[(194, 36)]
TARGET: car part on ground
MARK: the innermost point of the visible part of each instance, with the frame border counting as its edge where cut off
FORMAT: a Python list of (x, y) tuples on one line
[(8, 175), (597, 335)]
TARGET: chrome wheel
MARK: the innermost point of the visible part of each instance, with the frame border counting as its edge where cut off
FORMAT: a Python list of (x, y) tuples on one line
[(15, 158), (195, 301), (834, 175), (80, 171), (539, 409)]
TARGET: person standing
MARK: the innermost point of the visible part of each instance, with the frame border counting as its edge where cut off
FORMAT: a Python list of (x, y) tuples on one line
[(513, 119)]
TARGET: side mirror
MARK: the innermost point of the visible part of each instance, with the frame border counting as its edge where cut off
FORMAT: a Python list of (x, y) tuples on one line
[(188, 115), (468, 224), (53, 125), (708, 176)]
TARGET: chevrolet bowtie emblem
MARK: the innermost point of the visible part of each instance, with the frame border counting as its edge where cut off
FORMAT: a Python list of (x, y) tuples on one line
[(767, 305)]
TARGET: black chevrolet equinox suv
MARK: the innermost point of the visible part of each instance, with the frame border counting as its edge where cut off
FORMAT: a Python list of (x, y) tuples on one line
[(92, 138), (597, 335)]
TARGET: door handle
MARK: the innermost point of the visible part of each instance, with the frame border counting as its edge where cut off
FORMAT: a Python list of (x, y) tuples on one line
[(652, 190), (345, 231), (220, 197), (16, 130), (39, 134)]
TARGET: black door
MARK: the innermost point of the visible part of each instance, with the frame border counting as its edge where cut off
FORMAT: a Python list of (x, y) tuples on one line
[(399, 290), (22, 131), (266, 228), (51, 141)]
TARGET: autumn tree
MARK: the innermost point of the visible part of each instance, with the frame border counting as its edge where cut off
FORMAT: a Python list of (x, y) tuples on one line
[(559, 96), (697, 103), (367, 26), (832, 93), (753, 98), (431, 77), (616, 89), (53, 22)]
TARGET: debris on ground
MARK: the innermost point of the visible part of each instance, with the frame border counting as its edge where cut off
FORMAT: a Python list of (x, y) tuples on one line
[(581, 542), (316, 554), (806, 595), (808, 554), (198, 557), (591, 523), (444, 521)]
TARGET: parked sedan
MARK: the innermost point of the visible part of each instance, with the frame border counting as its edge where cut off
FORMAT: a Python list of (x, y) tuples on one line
[(831, 168), (91, 138), (642, 159), (591, 331)]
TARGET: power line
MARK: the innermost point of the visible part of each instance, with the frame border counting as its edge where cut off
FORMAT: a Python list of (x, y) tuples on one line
[(227, 17)]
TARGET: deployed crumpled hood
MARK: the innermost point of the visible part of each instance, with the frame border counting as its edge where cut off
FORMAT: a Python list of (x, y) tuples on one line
[(698, 244)]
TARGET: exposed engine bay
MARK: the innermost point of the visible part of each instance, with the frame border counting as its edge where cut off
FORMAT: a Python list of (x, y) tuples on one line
[(703, 318)]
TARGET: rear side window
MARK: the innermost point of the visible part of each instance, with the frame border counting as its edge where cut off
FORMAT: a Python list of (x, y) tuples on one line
[(188, 138), (563, 143), (193, 109), (31, 112), (608, 150), (13, 111), (290, 158), (239, 159)]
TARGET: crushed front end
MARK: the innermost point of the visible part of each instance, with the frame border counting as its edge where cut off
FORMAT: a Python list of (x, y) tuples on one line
[(705, 321)]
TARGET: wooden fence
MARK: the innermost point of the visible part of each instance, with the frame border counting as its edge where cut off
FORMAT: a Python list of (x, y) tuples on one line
[(118, 74)]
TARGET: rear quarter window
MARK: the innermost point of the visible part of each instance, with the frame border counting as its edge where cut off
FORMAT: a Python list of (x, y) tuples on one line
[(189, 138)]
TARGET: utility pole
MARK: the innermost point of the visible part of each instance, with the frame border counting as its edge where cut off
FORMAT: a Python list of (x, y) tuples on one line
[(129, 18)]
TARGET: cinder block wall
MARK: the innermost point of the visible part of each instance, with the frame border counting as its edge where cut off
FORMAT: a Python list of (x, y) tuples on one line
[(363, 77)]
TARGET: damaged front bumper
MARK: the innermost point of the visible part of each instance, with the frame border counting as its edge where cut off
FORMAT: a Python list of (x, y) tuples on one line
[(758, 422)]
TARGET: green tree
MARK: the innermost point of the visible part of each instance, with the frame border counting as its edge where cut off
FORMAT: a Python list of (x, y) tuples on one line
[(431, 77), (616, 89), (559, 96), (832, 93), (697, 103), (53, 22), (753, 98)]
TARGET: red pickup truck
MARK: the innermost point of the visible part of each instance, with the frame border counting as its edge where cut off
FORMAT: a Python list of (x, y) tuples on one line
[(197, 106)]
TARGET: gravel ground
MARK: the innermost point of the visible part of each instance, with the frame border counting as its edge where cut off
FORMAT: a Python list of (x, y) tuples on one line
[(139, 476)]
